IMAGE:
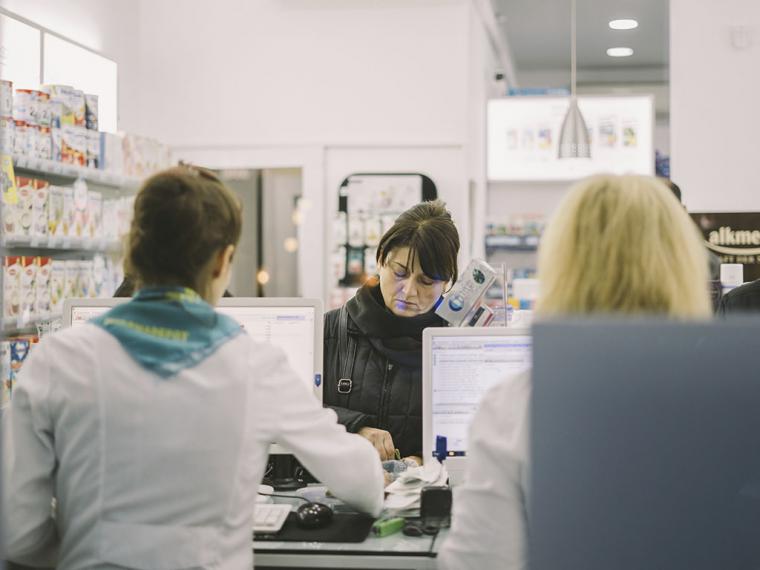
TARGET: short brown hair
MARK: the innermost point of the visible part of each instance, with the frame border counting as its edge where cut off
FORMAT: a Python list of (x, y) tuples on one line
[(430, 234), (183, 216)]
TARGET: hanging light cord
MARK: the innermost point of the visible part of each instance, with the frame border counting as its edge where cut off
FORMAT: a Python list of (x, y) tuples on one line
[(572, 50)]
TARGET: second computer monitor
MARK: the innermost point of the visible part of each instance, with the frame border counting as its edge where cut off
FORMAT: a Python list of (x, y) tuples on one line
[(459, 366), (292, 324)]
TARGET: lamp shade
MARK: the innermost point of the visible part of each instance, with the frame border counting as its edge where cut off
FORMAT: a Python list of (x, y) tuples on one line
[(573, 138)]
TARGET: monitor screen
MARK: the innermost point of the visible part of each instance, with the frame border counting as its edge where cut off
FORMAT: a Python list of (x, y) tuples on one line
[(290, 328), (463, 368), (80, 315)]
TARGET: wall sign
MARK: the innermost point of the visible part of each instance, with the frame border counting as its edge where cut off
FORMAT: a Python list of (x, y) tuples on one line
[(734, 237), (523, 137)]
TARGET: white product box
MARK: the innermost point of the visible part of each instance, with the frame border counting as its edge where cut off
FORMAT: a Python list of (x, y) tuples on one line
[(95, 215), (11, 287), (57, 285), (28, 291), (40, 204), (42, 292), (69, 212), (55, 211)]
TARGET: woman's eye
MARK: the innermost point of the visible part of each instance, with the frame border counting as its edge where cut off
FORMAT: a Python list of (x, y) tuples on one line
[(399, 274), (426, 282)]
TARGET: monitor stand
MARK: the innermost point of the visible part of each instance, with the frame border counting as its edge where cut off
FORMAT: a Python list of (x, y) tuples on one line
[(283, 471)]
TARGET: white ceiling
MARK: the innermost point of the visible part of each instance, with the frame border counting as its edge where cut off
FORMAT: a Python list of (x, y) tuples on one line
[(538, 35)]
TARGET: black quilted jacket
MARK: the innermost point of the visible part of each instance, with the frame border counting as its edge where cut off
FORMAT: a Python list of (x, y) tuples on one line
[(386, 390)]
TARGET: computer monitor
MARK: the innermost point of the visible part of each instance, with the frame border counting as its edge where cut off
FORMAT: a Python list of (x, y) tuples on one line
[(292, 324), (79, 311), (645, 449), (459, 365)]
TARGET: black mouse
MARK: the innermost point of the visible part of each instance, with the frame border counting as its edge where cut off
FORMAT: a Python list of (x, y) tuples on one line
[(313, 515)]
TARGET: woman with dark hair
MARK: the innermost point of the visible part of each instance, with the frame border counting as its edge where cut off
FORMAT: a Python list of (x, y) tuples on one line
[(150, 425), (373, 344)]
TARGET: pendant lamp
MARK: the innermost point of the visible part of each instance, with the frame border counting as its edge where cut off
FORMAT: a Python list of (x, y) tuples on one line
[(573, 138)]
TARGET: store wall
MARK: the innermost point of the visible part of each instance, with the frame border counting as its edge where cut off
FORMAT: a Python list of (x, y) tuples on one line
[(364, 85), (714, 58), (106, 26)]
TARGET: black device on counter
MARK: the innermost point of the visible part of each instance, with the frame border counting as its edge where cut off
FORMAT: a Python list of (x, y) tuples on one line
[(435, 507)]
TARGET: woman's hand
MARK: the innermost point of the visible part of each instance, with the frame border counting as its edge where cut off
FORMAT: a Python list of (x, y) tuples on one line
[(382, 441)]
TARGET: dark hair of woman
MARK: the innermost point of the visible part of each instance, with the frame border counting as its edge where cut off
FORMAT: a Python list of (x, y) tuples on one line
[(182, 217), (430, 234)]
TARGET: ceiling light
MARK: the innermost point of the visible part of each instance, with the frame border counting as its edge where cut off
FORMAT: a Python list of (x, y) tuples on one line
[(620, 52), (573, 136), (626, 24)]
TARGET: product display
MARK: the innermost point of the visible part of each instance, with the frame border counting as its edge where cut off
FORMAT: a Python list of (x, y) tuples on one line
[(34, 287), (60, 123), (43, 212)]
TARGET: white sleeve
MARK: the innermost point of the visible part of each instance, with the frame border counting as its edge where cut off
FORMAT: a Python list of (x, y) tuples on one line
[(346, 463), (489, 523), (29, 531)]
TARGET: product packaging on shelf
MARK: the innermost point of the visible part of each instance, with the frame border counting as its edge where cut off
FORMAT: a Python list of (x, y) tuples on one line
[(56, 144), (94, 215), (91, 112), (98, 277), (55, 211), (6, 378), (57, 285), (111, 153), (6, 98), (71, 102), (80, 208), (19, 349), (93, 149), (42, 292), (28, 291), (71, 279), (7, 129), (40, 203), (11, 287), (69, 212), (24, 208), (20, 138), (43, 109), (24, 106), (74, 145)]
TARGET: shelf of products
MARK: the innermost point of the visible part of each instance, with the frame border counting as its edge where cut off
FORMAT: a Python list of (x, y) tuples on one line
[(15, 327), (512, 242), (43, 167), (62, 244)]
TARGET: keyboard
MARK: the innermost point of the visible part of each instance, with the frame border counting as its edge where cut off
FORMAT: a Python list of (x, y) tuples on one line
[(269, 517)]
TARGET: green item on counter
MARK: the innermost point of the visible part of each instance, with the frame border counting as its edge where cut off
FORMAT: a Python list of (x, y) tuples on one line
[(387, 527)]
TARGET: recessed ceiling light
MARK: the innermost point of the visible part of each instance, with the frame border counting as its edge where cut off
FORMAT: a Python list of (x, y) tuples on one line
[(626, 24), (619, 52)]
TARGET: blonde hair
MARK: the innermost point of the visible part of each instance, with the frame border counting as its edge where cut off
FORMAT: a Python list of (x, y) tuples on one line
[(622, 244)]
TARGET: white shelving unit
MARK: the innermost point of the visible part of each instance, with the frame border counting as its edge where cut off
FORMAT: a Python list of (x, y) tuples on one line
[(43, 167)]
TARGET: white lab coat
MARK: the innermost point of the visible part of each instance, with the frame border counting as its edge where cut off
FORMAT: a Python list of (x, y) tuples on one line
[(159, 473), (489, 517)]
